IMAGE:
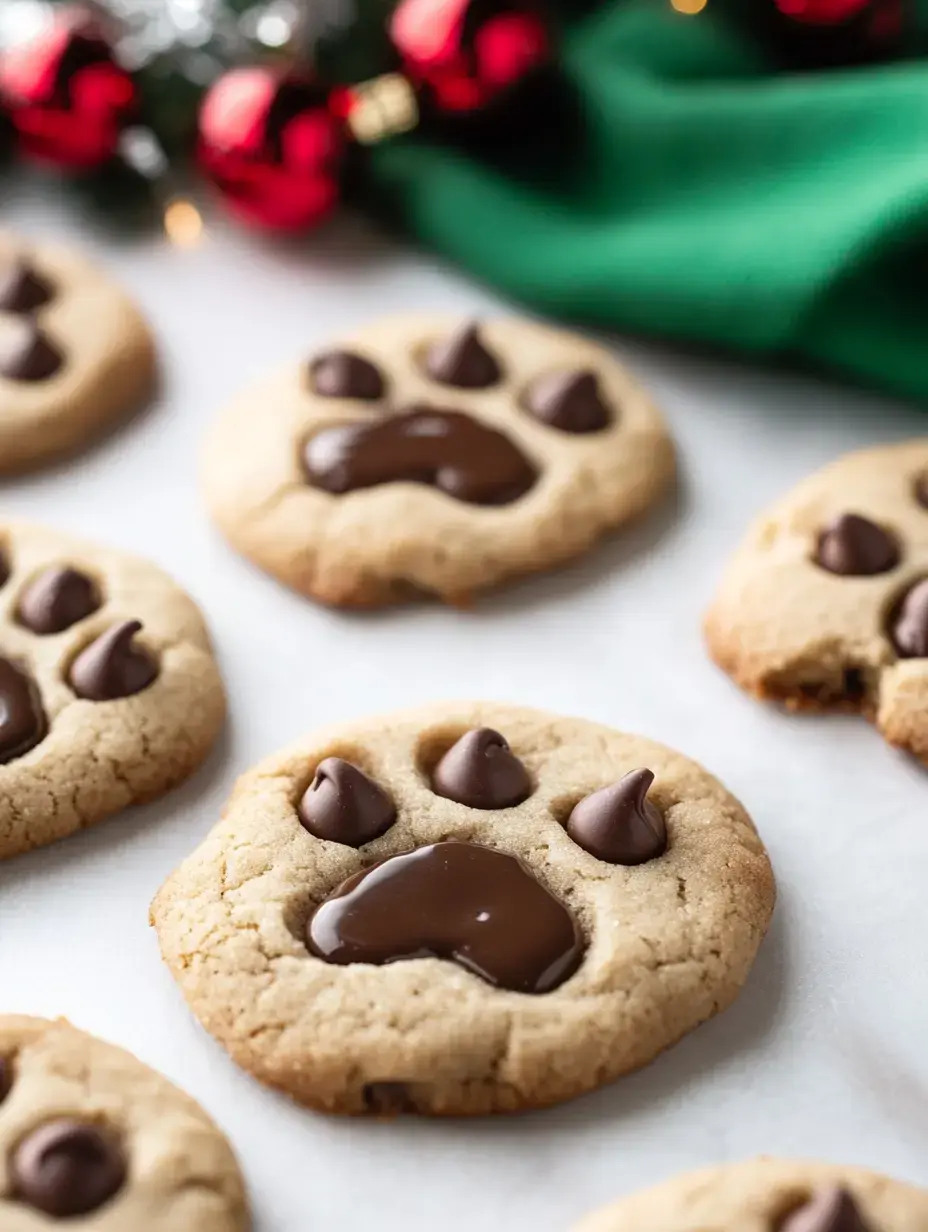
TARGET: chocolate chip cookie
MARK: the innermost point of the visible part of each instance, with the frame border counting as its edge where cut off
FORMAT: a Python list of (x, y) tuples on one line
[(770, 1195), (434, 456), (825, 604), (464, 909), (109, 693), (75, 353), (91, 1137)]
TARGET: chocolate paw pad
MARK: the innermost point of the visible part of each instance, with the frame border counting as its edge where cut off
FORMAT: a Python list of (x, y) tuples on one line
[(109, 694), (427, 911), (435, 457), (770, 1195), (91, 1137), (825, 604), (75, 355)]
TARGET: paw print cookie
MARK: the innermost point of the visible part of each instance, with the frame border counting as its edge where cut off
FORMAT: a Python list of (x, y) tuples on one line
[(91, 1137), (464, 909), (770, 1195), (75, 354), (109, 693), (427, 456), (825, 604)]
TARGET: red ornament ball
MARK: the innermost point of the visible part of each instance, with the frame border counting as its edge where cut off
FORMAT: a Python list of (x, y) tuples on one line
[(822, 12), (66, 97), (269, 143), (467, 53)]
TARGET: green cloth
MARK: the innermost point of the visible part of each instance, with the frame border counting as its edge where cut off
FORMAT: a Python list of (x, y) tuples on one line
[(703, 195)]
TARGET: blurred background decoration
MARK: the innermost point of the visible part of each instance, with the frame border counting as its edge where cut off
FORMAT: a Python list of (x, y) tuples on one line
[(747, 174)]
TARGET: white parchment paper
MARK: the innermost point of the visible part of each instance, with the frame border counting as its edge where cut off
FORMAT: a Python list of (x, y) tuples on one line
[(824, 1054)]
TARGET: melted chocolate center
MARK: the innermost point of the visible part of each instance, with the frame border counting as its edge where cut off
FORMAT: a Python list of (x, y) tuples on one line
[(478, 907), (448, 450)]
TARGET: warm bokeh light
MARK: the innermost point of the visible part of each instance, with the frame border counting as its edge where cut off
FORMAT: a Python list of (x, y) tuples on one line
[(183, 224), (689, 7)]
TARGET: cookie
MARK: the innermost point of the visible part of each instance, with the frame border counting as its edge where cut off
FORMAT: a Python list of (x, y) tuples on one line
[(90, 1134), (429, 456), (825, 604), (75, 353), (465, 908), (109, 693), (770, 1195)]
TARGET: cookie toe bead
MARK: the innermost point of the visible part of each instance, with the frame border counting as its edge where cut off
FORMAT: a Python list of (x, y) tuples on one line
[(856, 547), (920, 490), (344, 374), (832, 1209), (66, 1168), (619, 824), (26, 352), (114, 665), (481, 771), (57, 599), (6, 1077), (910, 623), (463, 360), (23, 724), (22, 288), (343, 805), (569, 401)]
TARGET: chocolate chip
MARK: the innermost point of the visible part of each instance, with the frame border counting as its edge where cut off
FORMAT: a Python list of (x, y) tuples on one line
[(463, 361), (6, 1078), (342, 374), (909, 623), (113, 666), (829, 1210), (343, 805), (66, 1168), (388, 1098), (856, 547), (22, 287), (57, 599), (475, 906), (619, 824), (479, 770), (568, 401), (22, 719), (449, 450), (25, 352), (920, 490)]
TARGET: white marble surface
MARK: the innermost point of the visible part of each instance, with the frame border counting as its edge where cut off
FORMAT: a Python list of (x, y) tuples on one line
[(825, 1052)]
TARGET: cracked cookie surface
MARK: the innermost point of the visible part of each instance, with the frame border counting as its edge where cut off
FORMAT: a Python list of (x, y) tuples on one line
[(110, 691), (75, 353), (418, 456), (769, 1195), (820, 607), (89, 1133), (343, 930)]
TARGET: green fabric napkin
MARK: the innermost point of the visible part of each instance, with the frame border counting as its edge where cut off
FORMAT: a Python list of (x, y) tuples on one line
[(686, 187)]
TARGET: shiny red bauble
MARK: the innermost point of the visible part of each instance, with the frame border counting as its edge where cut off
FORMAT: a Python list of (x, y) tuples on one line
[(823, 12), (269, 143), (66, 97), (466, 53)]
